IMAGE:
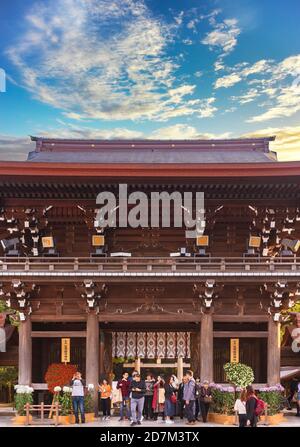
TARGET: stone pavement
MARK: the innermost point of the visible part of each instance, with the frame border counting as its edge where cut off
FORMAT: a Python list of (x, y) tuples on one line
[(6, 421)]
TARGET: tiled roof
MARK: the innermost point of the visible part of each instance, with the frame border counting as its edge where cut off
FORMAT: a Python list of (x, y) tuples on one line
[(254, 150)]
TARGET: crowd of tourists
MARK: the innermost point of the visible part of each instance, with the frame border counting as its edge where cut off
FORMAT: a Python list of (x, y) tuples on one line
[(165, 399)]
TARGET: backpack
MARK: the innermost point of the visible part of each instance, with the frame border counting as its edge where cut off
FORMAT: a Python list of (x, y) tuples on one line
[(260, 407)]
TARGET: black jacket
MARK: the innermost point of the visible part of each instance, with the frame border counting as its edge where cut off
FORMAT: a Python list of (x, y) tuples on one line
[(169, 391), (141, 385), (204, 392), (180, 391), (250, 409), (294, 386)]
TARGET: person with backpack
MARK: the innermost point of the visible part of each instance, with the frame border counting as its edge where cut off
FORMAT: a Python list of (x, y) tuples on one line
[(189, 396), (205, 399), (254, 407), (180, 398), (240, 408)]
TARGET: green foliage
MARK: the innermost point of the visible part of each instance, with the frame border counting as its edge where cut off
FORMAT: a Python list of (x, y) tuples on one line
[(22, 399), (287, 319), (274, 399), (13, 314), (119, 360), (8, 378), (65, 401), (8, 375), (222, 402), (89, 403), (238, 374)]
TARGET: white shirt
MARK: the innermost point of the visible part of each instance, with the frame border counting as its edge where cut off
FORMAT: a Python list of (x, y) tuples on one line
[(77, 389), (240, 407)]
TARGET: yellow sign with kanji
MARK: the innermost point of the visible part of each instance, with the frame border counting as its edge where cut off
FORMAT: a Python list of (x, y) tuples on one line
[(65, 350), (234, 350)]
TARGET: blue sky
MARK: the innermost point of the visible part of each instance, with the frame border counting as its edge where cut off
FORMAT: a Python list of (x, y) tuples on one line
[(150, 69)]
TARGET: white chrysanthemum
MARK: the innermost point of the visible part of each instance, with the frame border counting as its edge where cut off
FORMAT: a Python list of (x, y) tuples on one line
[(67, 389), (91, 386), (57, 389), (21, 390)]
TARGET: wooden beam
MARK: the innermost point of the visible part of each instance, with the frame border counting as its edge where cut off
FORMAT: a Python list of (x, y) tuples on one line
[(240, 334), (58, 334), (240, 318), (148, 318), (51, 318)]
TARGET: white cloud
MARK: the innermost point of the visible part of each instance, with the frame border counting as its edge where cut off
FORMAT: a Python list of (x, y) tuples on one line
[(223, 37), (249, 96), (261, 66), (277, 84), (15, 148), (287, 103), (184, 132), (219, 65), (228, 80), (198, 74), (103, 60), (177, 131), (286, 144), (89, 133)]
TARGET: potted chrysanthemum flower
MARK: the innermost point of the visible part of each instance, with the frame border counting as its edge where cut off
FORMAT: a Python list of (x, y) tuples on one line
[(23, 396)]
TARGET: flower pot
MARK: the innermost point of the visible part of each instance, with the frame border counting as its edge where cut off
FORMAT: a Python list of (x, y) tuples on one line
[(273, 420), (89, 417), (223, 419), (66, 420), (21, 420)]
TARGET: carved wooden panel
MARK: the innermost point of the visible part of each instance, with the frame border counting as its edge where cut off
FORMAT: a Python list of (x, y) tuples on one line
[(151, 345)]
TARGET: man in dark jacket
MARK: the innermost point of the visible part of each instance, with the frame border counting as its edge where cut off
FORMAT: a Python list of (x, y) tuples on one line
[(124, 386), (149, 382), (180, 398), (137, 389)]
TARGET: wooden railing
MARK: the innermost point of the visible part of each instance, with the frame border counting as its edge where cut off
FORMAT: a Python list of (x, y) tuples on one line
[(163, 265), (42, 408)]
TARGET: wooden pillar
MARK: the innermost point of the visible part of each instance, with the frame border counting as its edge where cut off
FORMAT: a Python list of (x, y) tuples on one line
[(101, 354), (206, 347), (92, 355), (273, 352), (25, 352), (138, 365), (179, 369)]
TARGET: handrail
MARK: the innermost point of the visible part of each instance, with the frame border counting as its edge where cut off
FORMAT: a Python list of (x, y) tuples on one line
[(133, 259), (129, 265)]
